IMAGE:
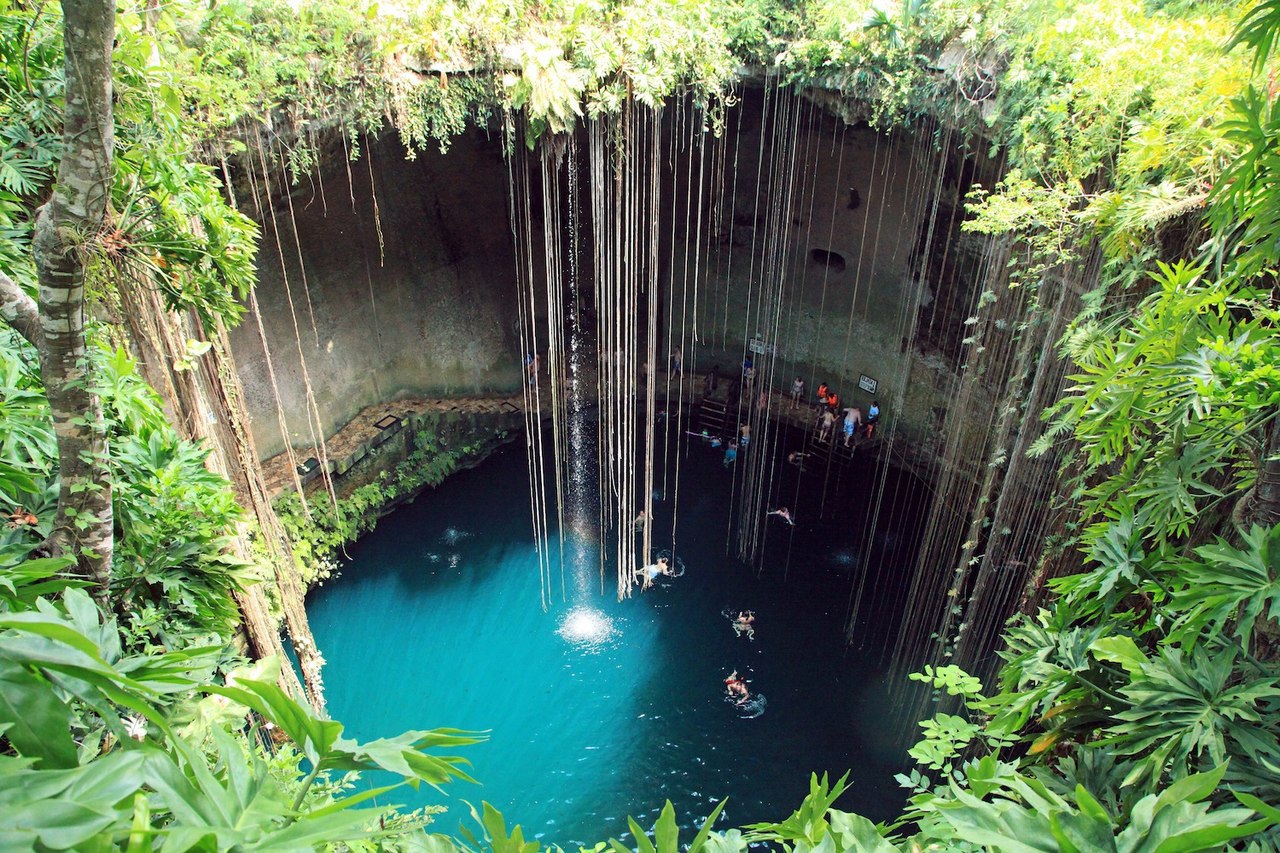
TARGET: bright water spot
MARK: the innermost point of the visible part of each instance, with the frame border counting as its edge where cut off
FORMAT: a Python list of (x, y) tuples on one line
[(598, 709)]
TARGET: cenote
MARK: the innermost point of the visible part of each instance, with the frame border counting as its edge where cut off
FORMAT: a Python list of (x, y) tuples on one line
[(404, 340), (598, 708)]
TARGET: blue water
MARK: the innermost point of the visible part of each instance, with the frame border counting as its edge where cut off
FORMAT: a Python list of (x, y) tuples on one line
[(436, 621)]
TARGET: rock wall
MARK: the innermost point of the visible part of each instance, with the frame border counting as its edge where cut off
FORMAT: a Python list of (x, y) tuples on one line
[(841, 271), (408, 291), (851, 265)]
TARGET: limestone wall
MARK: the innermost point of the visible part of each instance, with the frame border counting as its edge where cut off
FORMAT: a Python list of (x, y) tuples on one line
[(430, 312), (846, 270)]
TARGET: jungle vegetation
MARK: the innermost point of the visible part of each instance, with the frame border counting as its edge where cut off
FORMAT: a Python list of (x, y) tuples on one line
[(1139, 706)]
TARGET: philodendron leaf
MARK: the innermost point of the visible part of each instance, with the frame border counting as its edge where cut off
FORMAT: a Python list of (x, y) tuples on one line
[(1119, 649)]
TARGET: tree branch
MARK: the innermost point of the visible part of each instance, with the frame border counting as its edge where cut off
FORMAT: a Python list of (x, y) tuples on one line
[(19, 310)]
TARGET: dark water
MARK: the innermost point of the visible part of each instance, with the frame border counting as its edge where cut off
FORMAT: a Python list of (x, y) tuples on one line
[(436, 621)]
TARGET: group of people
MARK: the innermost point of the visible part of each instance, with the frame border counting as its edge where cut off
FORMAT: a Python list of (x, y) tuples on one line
[(735, 685), (744, 623), (731, 446), (853, 425)]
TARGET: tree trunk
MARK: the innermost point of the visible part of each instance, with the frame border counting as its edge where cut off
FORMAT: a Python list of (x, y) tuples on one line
[(205, 405), (1266, 496), (239, 458), (19, 310), (264, 639), (64, 229)]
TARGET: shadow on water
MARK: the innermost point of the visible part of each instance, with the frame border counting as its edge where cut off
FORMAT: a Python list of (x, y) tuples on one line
[(597, 708)]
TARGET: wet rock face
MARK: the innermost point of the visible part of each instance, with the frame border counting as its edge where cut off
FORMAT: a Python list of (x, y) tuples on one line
[(409, 291)]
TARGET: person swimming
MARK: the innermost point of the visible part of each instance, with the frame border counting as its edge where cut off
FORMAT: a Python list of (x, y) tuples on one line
[(745, 624), (730, 453), (736, 686), (648, 574), (784, 514)]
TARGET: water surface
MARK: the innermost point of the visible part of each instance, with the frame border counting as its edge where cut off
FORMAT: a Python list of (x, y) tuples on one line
[(596, 708)]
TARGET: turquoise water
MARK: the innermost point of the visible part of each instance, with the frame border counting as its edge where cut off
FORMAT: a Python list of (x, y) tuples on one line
[(436, 621)]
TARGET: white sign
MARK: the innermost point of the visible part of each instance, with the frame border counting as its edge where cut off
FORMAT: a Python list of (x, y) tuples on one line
[(866, 383)]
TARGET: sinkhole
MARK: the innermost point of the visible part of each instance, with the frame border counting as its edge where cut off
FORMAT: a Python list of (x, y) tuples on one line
[(599, 709)]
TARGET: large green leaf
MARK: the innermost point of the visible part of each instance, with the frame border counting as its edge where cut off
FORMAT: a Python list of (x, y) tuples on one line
[(1230, 585), (39, 722), (66, 808), (854, 832), (314, 736)]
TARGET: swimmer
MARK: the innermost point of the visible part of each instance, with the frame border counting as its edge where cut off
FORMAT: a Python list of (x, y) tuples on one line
[(784, 514), (736, 686), (731, 453), (649, 573), (641, 518), (745, 624), (796, 458)]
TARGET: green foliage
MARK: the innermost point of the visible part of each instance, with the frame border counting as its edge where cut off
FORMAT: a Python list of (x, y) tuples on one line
[(318, 539), (1227, 590), (808, 823), (1166, 404), (170, 226), (1243, 212), (96, 755), (1008, 811), (245, 59), (945, 738), (1188, 711), (172, 569), (951, 678), (1129, 701), (173, 579), (1260, 31)]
